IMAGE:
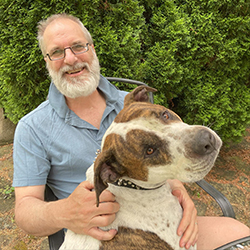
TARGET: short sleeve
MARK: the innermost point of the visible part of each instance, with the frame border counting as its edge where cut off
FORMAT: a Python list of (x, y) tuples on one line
[(31, 164)]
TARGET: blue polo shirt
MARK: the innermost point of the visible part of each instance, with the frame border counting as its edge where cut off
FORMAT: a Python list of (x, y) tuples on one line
[(53, 145)]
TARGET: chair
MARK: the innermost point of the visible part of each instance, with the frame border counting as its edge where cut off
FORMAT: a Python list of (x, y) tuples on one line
[(57, 239), (238, 244)]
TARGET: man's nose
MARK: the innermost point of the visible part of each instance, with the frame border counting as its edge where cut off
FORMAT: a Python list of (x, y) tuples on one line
[(69, 58)]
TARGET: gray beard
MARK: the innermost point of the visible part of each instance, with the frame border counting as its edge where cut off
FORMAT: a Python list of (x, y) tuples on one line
[(83, 85)]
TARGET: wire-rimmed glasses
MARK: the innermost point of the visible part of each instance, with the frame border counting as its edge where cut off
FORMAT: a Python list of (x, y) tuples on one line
[(76, 49)]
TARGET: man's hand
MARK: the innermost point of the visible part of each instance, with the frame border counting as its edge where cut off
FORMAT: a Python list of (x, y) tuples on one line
[(84, 217), (188, 227)]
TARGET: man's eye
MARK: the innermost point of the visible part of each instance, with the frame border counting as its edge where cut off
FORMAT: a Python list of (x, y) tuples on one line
[(78, 48), (58, 52)]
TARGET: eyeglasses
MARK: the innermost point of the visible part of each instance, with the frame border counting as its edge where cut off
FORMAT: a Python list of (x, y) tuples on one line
[(60, 53)]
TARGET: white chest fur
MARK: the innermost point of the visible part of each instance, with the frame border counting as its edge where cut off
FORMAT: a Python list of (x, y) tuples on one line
[(156, 211)]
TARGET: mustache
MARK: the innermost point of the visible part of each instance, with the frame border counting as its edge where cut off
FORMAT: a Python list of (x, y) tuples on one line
[(79, 65)]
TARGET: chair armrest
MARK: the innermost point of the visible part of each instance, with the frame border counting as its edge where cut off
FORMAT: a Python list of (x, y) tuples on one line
[(223, 202), (236, 244), (138, 83)]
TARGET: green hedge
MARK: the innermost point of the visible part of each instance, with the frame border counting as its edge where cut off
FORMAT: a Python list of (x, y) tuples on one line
[(196, 53)]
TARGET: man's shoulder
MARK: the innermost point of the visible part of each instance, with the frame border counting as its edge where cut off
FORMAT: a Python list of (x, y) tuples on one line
[(39, 119), (39, 113)]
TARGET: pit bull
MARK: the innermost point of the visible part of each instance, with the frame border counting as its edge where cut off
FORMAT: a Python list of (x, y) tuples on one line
[(146, 145)]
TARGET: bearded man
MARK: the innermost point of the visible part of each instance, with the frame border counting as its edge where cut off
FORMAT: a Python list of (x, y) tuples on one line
[(56, 143)]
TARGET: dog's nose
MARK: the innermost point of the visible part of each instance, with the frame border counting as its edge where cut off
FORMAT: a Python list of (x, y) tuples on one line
[(204, 142)]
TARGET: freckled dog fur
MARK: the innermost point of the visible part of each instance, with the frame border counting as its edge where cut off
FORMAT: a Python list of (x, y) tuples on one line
[(145, 146)]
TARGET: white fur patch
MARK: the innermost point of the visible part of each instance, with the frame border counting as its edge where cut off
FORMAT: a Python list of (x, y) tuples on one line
[(75, 241)]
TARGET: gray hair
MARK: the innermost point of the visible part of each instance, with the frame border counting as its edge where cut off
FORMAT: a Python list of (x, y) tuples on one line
[(43, 24)]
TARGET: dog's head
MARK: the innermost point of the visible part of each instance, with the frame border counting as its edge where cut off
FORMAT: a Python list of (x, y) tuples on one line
[(149, 144)]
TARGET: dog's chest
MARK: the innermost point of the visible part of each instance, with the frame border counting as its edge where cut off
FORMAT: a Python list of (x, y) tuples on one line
[(156, 211)]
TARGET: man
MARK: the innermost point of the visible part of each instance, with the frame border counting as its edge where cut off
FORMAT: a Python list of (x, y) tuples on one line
[(56, 143)]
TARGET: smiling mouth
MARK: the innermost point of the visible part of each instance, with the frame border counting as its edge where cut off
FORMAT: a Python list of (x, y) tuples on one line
[(71, 72)]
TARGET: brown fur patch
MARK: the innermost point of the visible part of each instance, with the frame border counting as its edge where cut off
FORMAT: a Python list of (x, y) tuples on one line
[(144, 109), (139, 151), (135, 239), (130, 157)]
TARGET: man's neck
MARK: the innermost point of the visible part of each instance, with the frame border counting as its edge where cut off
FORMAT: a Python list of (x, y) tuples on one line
[(89, 108)]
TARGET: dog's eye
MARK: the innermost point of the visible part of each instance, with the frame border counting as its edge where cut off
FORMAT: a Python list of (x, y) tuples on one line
[(150, 151), (165, 115)]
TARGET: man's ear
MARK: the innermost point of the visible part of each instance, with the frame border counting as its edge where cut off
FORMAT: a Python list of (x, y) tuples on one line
[(139, 94), (106, 170)]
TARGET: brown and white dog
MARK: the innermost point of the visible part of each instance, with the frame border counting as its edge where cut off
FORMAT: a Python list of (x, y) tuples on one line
[(145, 146)]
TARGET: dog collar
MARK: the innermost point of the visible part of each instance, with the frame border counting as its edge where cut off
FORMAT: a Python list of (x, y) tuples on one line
[(130, 184)]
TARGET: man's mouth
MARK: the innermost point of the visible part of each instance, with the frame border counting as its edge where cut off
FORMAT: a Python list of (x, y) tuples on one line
[(75, 71)]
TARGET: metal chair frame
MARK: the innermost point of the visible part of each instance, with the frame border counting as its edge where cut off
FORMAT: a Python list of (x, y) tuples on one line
[(237, 244)]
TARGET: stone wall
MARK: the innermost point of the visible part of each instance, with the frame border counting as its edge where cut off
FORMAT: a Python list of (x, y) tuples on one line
[(7, 129)]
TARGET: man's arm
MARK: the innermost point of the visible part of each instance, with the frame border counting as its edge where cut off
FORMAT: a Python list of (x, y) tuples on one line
[(78, 212)]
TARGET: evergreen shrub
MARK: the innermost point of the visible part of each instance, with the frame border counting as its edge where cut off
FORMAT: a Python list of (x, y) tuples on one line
[(196, 53)]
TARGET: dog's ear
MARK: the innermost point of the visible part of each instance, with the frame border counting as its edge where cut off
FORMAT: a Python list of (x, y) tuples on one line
[(107, 170), (139, 94)]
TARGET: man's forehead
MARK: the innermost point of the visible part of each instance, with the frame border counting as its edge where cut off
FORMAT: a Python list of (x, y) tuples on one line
[(63, 30)]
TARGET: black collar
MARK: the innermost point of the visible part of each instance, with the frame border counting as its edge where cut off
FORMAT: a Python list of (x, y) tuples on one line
[(129, 184)]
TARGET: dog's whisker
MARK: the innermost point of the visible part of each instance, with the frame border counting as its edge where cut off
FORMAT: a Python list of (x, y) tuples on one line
[(198, 166), (209, 125)]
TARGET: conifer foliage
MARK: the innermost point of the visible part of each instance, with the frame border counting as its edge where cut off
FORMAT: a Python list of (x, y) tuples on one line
[(196, 53)]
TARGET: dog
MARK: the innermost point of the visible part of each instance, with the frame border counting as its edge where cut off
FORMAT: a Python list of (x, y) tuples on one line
[(145, 146)]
